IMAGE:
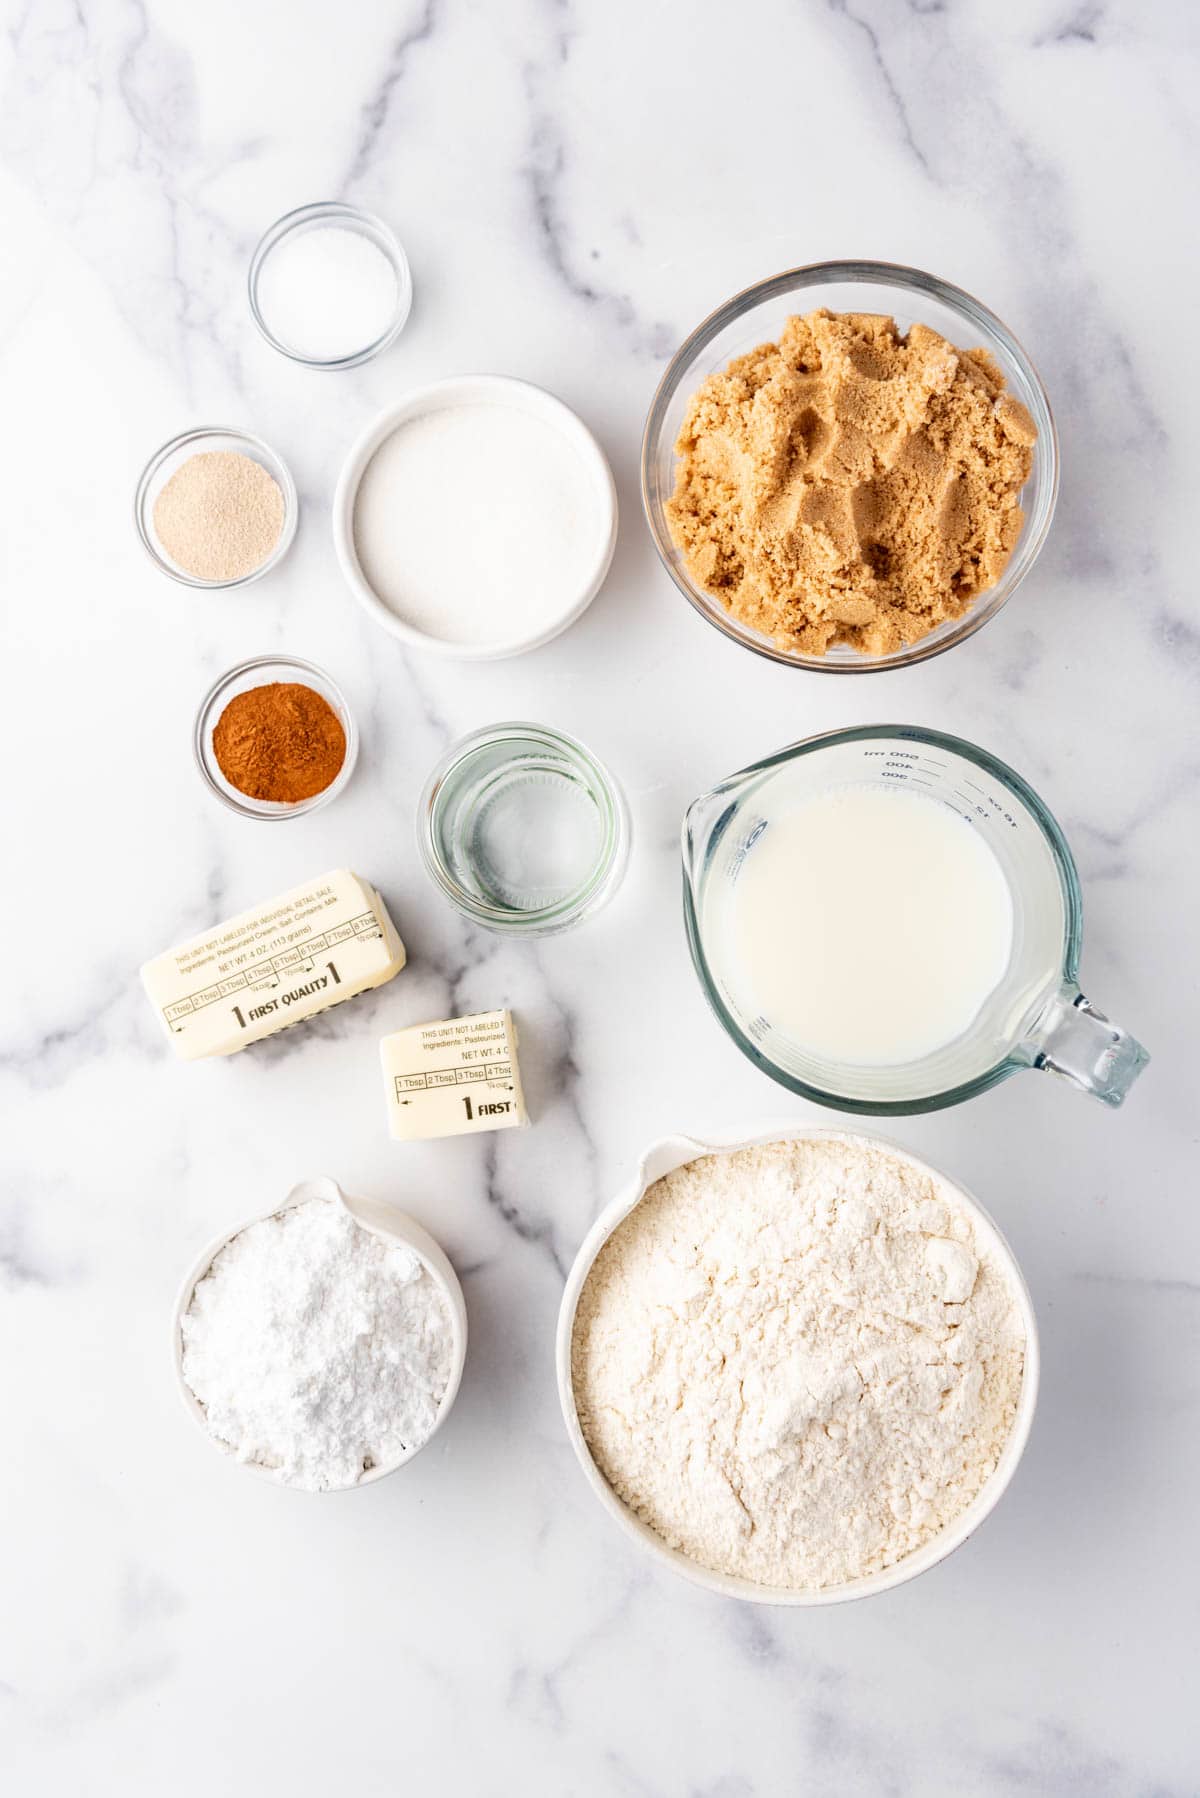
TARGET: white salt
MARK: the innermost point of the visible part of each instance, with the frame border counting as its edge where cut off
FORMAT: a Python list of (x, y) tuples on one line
[(479, 523), (327, 292)]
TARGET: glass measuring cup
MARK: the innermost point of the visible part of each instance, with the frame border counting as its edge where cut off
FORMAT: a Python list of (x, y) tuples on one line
[(1035, 1017)]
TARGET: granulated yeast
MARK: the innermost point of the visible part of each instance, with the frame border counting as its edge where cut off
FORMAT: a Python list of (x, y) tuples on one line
[(849, 484), (219, 516), (797, 1363)]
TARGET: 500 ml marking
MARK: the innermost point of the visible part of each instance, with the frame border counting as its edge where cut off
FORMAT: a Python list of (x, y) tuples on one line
[(311, 987)]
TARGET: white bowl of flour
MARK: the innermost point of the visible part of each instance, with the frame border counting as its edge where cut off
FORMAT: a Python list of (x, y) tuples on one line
[(477, 518), (321, 1345), (799, 1367)]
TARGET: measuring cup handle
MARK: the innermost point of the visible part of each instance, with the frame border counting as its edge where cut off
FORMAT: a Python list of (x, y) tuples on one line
[(1075, 1040)]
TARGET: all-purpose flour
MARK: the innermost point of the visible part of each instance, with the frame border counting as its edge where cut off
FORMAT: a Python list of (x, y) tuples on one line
[(317, 1349), (796, 1362)]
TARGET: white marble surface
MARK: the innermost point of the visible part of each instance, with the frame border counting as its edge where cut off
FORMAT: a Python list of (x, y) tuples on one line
[(577, 185)]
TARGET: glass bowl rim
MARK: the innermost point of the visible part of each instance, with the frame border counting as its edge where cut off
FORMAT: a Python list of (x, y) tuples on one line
[(268, 457), (825, 274), (268, 811), (384, 239), (1068, 876), (599, 883)]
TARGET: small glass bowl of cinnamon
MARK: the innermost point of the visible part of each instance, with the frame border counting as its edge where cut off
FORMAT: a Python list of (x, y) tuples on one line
[(274, 738)]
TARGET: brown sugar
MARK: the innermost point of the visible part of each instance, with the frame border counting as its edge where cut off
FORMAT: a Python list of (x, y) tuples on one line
[(851, 484), (282, 742)]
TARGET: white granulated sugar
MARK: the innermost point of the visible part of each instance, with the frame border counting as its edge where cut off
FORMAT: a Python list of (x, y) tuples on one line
[(478, 523), (317, 1349), (796, 1363), (327, 292)]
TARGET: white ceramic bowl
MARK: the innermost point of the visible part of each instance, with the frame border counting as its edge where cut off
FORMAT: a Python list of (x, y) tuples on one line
[(393, 1227), (663, 1158), (466, 390)]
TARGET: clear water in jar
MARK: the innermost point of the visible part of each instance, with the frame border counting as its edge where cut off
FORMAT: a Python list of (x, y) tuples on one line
[(521, 829)]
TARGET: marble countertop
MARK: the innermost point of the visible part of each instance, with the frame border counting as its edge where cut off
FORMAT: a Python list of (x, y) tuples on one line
[(577, 185)]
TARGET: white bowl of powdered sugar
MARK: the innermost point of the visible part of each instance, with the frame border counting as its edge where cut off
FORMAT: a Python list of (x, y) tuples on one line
[(321, 1346), (798, 1368)]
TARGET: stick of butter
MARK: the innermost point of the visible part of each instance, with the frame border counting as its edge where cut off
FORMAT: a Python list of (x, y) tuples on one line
[(446, 1079), (265, 969)]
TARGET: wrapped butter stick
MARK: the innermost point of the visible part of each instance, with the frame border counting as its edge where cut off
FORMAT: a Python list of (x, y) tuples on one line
[(273, 966), (447, 1079)]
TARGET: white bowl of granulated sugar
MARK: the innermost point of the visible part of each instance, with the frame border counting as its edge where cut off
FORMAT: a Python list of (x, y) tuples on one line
[(476, 518), (799, 1367), (321, 1345)]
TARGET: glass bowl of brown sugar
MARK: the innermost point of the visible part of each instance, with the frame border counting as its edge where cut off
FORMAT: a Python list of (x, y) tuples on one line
[(275, 738), (847, 573)]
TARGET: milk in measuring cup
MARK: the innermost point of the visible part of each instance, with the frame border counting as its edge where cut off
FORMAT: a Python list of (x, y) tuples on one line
[(870, 924)]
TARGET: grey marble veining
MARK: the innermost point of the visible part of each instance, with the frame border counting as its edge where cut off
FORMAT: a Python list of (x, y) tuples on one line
[(577, 186)]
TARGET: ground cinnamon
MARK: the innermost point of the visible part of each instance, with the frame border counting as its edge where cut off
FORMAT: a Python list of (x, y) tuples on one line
[(282, 742)]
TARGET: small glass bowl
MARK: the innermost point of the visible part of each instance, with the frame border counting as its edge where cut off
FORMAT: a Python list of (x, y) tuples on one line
[(164, 463), (350, 218), (756, 316), (261, 671), (523, 830)]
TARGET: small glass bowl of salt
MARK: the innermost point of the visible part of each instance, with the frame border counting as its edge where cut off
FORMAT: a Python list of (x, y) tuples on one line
[(330, 285)]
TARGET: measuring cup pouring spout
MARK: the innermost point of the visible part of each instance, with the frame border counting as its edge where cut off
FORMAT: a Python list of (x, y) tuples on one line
[(1033, 1016), (705, 820)]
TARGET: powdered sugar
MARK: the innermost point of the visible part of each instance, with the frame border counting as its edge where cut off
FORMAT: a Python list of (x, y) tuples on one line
[(317, 1349), (797, 1363)]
